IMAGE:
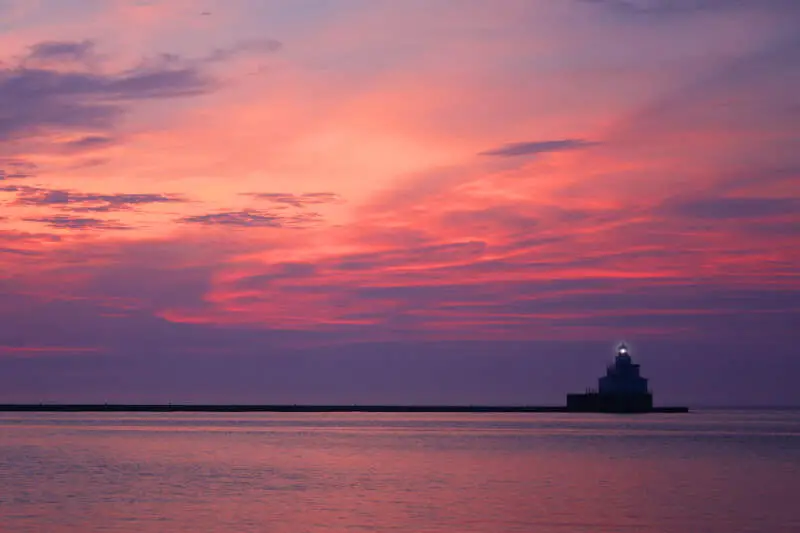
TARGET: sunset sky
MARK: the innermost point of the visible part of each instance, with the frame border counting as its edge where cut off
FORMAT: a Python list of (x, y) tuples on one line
[(416, 201)]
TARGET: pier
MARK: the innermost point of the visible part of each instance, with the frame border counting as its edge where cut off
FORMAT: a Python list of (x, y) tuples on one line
[(284, 408)]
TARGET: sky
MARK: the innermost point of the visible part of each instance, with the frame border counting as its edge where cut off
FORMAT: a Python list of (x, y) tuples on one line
[(373, 201)]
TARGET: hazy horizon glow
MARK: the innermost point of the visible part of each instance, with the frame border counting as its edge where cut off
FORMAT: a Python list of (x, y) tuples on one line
[(386, 201)]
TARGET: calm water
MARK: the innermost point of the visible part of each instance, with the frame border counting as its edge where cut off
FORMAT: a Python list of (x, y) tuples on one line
[(712, 471)]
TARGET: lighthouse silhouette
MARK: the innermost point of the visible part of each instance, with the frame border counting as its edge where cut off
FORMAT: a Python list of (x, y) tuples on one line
[(621, 390)]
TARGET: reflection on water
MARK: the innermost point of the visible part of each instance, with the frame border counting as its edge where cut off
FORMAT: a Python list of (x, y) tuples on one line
[(710, 471)]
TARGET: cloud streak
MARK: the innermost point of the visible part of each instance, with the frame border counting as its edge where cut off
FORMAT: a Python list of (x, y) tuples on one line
[(297, 200), (536, 147), (733, 208), (60, 51), (16, 169), (253, 47), (78, 223), (85, 202), (253, 219)]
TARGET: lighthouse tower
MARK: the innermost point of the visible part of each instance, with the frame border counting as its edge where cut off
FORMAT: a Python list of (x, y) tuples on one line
[(622, 377)]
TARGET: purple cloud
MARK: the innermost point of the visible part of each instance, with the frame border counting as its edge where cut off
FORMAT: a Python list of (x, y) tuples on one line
[(16, 169), (670, 7), (277, 272), (733, 208), (61, 51), (250, 47), (88, 143), (253, 219), (79, 223), (40, 98), (85, 202), (297, 200), (537, 147)]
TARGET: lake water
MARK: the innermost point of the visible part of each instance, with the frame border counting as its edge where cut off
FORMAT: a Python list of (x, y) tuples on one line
[(707, 471)]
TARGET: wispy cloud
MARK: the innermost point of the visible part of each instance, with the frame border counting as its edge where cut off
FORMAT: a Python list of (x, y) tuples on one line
[(50, 52), (85, 202), (687, 7), (78, 223), (537, 147), (90, 142), (297, 200), (16, 169), (254, 219), (733, 208), (253, 47)]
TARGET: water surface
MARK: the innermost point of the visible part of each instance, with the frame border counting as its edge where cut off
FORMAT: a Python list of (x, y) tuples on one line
[(710, 471)]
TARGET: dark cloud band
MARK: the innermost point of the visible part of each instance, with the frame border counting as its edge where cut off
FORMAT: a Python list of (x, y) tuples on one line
[(536, 147)]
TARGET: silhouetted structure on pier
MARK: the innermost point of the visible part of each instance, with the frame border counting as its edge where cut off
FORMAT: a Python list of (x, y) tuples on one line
[(621, 390)]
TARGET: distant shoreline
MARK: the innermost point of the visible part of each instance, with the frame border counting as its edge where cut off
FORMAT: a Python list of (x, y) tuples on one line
[(284, 408)]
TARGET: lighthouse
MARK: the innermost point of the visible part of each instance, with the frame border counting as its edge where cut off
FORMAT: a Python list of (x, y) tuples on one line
[(621, 390), (622, 377)]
